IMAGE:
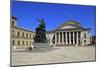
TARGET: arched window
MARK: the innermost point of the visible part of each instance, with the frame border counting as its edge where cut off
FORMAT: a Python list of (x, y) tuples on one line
[(30, 35), (23, 42), (18, 33), (30, 42), (26, 42), (23, 34), (12, 23), (84, 35), (13, 42), (27, 35), (18, 42)]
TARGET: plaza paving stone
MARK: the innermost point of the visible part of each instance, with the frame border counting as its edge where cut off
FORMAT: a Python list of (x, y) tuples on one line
[(53, 55)]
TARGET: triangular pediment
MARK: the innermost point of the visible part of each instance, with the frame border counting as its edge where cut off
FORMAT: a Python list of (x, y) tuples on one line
[(70, 25)]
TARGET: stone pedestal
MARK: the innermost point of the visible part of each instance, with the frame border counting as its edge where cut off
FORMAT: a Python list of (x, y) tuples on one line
[(41, 45)]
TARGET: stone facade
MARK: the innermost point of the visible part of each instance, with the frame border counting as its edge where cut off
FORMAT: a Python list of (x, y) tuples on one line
[(70, 33), (19, 36)]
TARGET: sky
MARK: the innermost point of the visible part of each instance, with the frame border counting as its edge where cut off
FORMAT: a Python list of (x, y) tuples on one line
[(53, 14)]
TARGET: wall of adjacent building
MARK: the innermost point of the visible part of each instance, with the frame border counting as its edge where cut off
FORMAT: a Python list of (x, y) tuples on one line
[(85, 37), (13, 21), (50, 37), (20, 36), (27, 37)]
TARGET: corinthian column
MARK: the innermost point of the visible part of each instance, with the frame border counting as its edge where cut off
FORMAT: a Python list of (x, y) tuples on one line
[(73, 38), (66, 38), (77, 39), (59, 37), (62, 37), (69, 37)]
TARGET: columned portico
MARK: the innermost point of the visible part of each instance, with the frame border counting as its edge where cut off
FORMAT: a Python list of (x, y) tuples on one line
[(70, 33), (67, 38)]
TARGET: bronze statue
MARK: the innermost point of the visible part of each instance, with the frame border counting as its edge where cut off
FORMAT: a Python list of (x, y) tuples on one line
[(40, 36)]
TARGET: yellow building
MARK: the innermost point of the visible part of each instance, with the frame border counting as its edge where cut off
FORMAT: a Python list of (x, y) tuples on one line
[(70, 33), (20, 37)]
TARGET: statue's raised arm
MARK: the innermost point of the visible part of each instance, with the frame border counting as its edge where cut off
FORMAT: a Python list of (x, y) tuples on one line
[(42, 23)]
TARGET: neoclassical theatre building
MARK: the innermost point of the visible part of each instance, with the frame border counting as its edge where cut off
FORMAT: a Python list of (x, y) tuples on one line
[(70, 33)]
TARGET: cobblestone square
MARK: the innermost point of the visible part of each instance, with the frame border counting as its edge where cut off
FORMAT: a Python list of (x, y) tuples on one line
[(54, 55)]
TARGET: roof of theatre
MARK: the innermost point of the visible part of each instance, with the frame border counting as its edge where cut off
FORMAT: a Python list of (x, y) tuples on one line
[(71, 25)]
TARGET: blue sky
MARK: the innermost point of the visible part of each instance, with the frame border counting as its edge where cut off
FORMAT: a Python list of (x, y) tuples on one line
[(54, 14)]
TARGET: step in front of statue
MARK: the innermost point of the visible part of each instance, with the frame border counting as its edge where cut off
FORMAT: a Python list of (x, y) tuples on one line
[(41, 45)]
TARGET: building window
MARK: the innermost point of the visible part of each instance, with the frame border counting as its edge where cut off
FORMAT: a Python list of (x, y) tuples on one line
[(18, 42), (26, 35), (30, 35), (30, 42), (12, 23), (23, 42), (23, 34), (26, 42), (13, 42), (84, 41), (84, 35), (18, 33)]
